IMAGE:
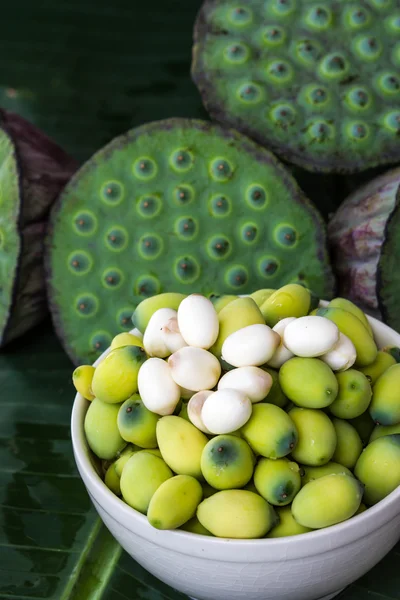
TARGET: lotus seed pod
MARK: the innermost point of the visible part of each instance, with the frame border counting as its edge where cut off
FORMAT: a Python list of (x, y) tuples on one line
[(382, 363), (181, 445), (308, 382), (327, 501), (342, 356), (34, 171), (101, 429), (82, 379), (283, 74), (260, 296), (194, 526), (198, 321), (311, 473), (349, 445), (251, 346), (237, 514), (158, 391), (378, 468), (278, 481), (226, 411), (151, 471), (227, 462), (174, 502), (346, 304), (270, 432), (194, 368), (311, 337), (385, 404), (126, 339), (354, 395), (194, 408), (317, 437), (171, 336), (254, 382), (286, 526), (354, 329), (180, 205), (137, 424), (291, 300), (219, 302), (281, 354), (275, 395), (153, 340), (116, 377), (238, 314), (363, 237), (382, 430), (364, 426)]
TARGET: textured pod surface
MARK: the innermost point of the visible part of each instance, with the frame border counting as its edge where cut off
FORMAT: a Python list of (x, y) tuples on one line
[(362, 235), (317, 82), (177, 205), (33, 172)]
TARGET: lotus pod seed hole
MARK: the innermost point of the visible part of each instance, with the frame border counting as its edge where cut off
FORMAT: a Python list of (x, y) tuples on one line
[(367, 48), (85, 223), (283, 8), (392, 121), (147, 285), (268, 266), (183, 194), (145, 168), (220, 206), (100, 341), (149, 207), (117, 239), (279, 71), (237, 54), (249, 233), (86, 305), (112, 193), (318, 17), (181, 160), (256, 197), (221, 170), (250, 93), (124, 318), (219, 247), (236, 276), (274, 35), (286, 236), (187, 269), (282, 115), (240, 16), (112, 278), (80, 263), (186, 228), (150, 246)]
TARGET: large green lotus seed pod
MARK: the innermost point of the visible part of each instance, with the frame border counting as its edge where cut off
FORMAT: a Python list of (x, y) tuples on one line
[(33, 170), (175, 206), (363, 235), (317, 82)]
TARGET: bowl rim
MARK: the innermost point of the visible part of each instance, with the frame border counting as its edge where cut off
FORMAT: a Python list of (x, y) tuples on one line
[(234, 550)]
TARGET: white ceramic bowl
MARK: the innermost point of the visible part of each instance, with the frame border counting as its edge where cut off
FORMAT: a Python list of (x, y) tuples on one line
[(311, 566)]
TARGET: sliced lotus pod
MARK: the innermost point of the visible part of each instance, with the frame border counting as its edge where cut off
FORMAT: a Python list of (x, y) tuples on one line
[(176, 205), (33, 170), (316, 82), (365, 243)]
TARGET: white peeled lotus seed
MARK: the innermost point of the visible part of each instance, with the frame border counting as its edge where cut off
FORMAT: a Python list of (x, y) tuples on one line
[(135, 331), (252, 381), (282, 354), (311, 336), (198, 321), (153, 341), (194, 408), (342, 356), (171, 336), (225, 411), (158, 391), (250, 346), (195, 368)]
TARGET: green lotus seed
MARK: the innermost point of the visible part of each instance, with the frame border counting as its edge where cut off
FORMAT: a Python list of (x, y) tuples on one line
[(279, 71), (187, 269), (112, 278), (282, 115), (357, 131), (357, 17), (392, 121), (389, 83), (181, 160), (124, 318), (184, 194), (186, 228), (308, 51), (219, 247), (237, 54), (147, 285), (358, 98), (317, 436), (349, 445), (367, 47), (318, 17), (240, 16), (256, 197), (317, 95), (273, 35), (220, 206), (150, 246), (320, 131), (250, 93), (285, 236), (283, 8), (221, 170), (249, 232), (236, 276), (268, 266), (333, 66), (378, 468)]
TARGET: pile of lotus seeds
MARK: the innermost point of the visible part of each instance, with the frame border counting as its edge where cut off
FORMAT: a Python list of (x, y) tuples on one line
[(254, 416)]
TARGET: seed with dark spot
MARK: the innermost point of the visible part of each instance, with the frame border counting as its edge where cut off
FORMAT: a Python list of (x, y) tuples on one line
[(129, 409)]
